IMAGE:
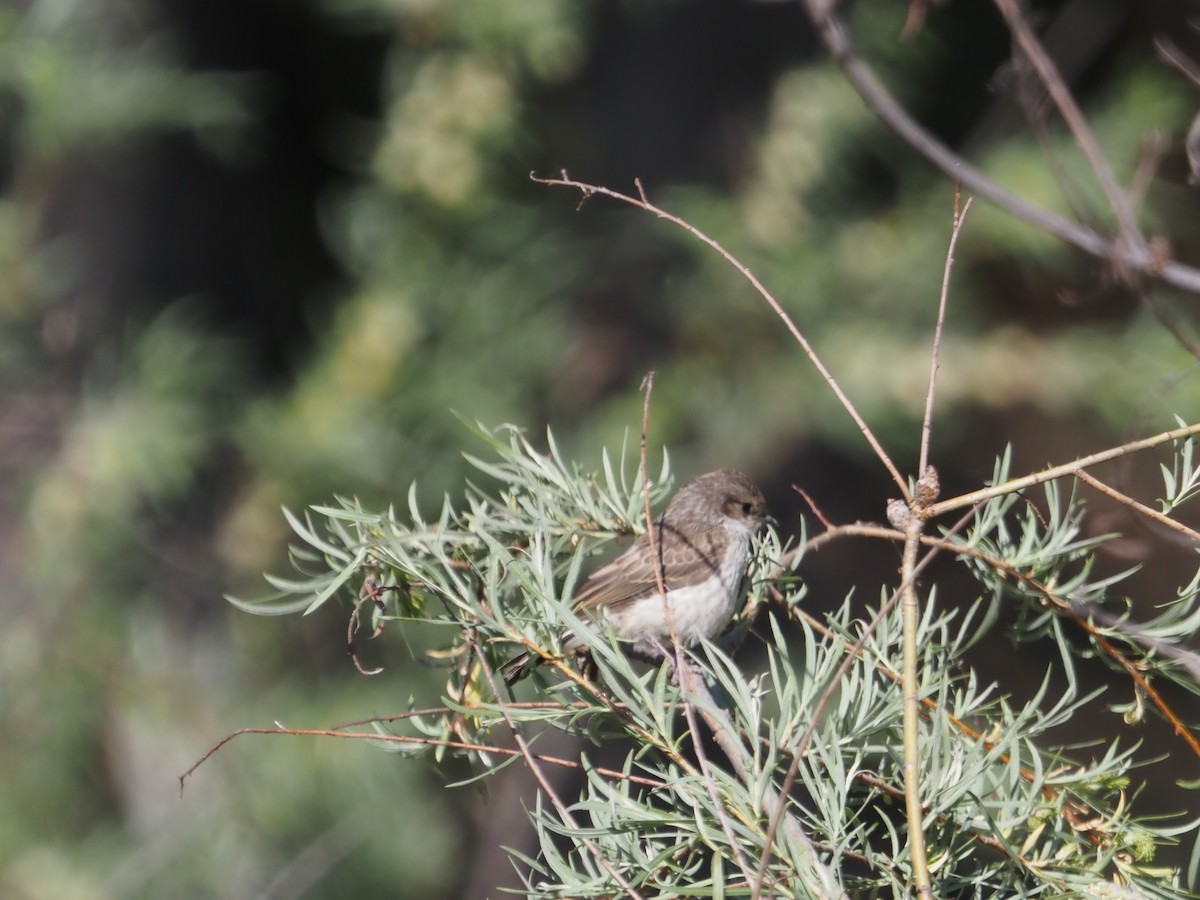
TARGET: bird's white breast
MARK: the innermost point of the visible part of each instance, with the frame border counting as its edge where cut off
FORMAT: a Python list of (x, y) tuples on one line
[(702, 609)]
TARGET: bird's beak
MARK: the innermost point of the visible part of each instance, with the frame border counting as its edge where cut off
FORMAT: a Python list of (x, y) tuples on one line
[(771, 520)]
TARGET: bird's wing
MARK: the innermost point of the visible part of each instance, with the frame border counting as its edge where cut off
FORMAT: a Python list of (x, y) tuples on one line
[(631, 576)]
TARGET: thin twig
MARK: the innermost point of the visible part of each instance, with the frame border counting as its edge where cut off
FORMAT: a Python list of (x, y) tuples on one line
[(683, 671), (835, 35), (812, 504), (536, 770), (1056, 472), (1130, 234), (1081, 613), (1077, 612), (1076, 812), (815, 716), (1152, 514), (478, 710), (339, 732), (909, 603), (1169, 53), (589, 189), (960, 216), (1142, 684)]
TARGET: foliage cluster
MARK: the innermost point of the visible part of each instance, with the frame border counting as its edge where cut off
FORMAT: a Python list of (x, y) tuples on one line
[(1009, 809)]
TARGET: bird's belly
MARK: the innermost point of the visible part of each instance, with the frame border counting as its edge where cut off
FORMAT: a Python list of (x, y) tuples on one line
[(697, 610)]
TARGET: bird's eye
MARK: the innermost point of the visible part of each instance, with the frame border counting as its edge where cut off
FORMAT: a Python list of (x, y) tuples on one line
[(746, 508)]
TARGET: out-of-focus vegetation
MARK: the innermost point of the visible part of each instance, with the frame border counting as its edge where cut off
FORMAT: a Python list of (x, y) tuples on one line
[(253, 254)]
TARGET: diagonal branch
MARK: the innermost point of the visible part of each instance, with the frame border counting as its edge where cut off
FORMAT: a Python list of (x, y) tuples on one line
[(1154, 515), (1130, 237), (835, 681), (832, 30), (1056, 472), (536, 770), (1079, 613), (339, 731)]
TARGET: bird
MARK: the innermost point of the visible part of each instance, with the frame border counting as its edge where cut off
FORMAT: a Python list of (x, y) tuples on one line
[(702, 541)]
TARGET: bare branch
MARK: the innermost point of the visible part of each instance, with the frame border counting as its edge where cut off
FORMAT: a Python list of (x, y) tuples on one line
[(833, 32), (1079, 613), (683, 671), (1056, 472), (1130, 235), (589, 189), (927, 423), (1152, 514), (835, 681), (418, 740), (536, 770)]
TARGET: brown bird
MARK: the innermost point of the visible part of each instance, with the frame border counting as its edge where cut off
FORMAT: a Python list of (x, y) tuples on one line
[(703, 544)]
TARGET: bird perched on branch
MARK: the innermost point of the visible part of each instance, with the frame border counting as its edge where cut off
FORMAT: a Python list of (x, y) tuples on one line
[(701, 547)]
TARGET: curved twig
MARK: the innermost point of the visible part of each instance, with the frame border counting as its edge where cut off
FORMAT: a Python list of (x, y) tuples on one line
[(588, 190)]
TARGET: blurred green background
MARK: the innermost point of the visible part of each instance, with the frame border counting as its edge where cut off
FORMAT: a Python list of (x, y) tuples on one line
[(254, 252)]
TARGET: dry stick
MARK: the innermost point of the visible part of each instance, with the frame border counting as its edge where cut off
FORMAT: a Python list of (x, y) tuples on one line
[(1138, 679), (909, 606), (818, 710), (544, 782), (927, 423), (834, 33), (1137, 636), (1078, 612), (683, 674), (1130, 235), (1146, 511), (910, 618), (722, 730), (1055, 472), (445, 710), (642, 203), (1170, 321), (407, 739), (1169, 53), (1080, 818)]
